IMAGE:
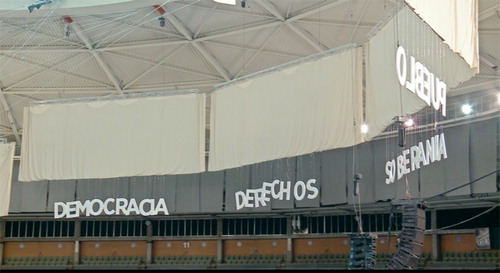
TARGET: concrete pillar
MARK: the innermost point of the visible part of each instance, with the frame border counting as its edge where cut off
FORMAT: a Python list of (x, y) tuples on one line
[(149, 253), (435, 237), (2, 239), (76, 254), (149, 246), (289, 241), (220, 243)]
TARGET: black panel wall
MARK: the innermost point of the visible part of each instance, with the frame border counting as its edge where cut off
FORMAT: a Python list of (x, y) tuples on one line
[(472, 151), (187, 193), (483, 149), (456, 167), (362, 164), (308, 167), (211, 191), (60, 191), (333, 177), (284, 170)]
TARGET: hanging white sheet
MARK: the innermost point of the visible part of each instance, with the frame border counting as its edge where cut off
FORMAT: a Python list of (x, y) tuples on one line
[(456, 21), (386, 97), (6, 163), (137, 136), (306, 108)]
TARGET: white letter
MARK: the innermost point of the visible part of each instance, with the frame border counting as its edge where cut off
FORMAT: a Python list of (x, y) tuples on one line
[(83, 207), (106, 202), (430, 156), (91, 207), (441, 95), (63, 212), (121, 205), (390, 170), (401, 167), (132, 206), (151, 206), (421, 154), (275, 195), (415, 161), (432, 88), (401, 65), (285, 190), (72, 209), (250, 198), (312, 188), (296, 190), (261, 195), (161, 206), (240, 204), (442, 147), (411, 84), (419, 79), (426, 85), (406, 161)]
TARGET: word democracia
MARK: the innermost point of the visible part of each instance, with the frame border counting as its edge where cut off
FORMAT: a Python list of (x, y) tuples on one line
[(279, 190), (110, 206), (433, 150)]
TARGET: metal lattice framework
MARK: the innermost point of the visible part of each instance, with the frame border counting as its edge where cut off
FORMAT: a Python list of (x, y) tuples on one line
[(61, 51)]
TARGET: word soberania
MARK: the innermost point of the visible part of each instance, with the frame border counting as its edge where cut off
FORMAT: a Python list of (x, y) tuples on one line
[(421, 81), (433, 150), (110, 206), (254, 198)]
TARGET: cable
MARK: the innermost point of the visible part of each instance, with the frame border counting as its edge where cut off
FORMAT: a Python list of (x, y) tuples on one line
[(456, 188), (467, 220)]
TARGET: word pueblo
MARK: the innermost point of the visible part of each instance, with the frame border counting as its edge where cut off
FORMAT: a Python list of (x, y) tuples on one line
[(421, 81), (254, 198)]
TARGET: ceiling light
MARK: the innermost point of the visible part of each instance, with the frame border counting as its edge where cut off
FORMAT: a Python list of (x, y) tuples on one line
[(229, 2), (409, 122), (405, 121), (364, 128), (466, 109)]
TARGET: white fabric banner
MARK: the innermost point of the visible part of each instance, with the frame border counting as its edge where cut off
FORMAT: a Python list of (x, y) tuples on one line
[(407, 64), (6, 162), (306, 108), (114, 138), (456, 21)]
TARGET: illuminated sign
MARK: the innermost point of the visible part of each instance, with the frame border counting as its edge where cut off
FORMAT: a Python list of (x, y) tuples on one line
[(110, 206), (421, 81), (278, 190)]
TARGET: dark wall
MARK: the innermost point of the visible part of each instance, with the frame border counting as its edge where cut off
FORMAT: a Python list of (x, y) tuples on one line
[(471, 149)]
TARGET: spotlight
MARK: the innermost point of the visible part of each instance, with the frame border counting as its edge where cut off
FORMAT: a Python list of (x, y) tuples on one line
[(364, 128), (405, 121), (162, 21), (466, 109), (409, 122)]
